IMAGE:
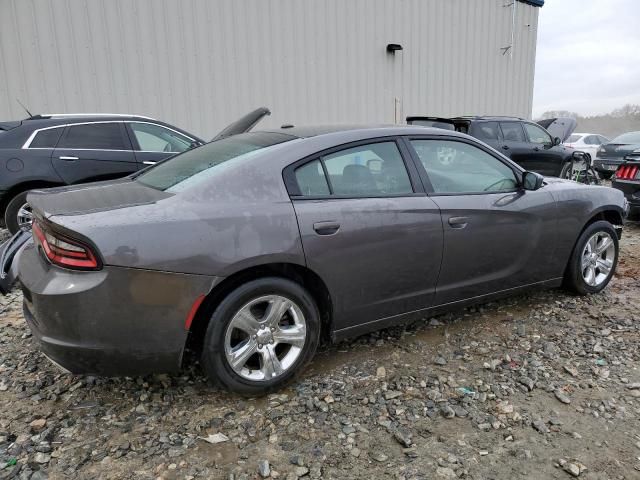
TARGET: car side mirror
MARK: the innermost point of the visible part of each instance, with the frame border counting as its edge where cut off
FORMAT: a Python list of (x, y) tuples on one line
[(532, 180), (556, 141)]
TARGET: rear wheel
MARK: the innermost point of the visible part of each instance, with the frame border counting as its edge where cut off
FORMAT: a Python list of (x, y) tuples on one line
[(260, 336), (18, 214), (593, 260)]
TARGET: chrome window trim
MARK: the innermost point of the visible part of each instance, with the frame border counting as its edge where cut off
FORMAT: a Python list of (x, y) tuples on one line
[(26, 144)]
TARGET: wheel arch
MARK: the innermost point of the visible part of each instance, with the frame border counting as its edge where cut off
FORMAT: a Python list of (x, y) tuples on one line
[(300, 274), (609, 214), (23, 187)]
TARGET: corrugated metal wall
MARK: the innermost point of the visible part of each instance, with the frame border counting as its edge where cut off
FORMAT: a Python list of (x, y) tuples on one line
[(201, 63)]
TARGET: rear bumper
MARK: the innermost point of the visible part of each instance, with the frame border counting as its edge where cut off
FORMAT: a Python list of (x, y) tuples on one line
[(607, 165), (631, 190), (116, 321)]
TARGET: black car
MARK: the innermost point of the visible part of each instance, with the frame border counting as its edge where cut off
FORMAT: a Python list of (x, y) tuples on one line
[(627, 179), (611, 155), (528, 144), (63, 149)]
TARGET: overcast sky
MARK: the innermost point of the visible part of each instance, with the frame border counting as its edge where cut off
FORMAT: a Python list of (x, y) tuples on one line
[(588, 56)]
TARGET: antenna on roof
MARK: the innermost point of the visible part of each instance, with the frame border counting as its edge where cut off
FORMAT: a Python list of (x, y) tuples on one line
[(25, 108)]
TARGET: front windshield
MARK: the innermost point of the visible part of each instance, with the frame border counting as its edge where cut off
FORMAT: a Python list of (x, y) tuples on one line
[(192, 166), (573, 138), (631, 137)]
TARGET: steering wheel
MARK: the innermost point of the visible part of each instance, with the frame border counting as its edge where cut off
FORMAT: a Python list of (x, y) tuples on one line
[(499, 182)]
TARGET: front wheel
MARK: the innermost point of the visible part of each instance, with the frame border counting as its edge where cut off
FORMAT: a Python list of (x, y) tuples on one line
[(593, 260), (260, 336)]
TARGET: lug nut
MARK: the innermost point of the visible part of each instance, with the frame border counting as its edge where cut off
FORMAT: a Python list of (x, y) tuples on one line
[(259, 345), (273, 329), (270, 341)]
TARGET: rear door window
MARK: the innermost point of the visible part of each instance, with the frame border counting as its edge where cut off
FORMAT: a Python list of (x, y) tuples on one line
[(312, 180), (95, 136), (371, 170), (486, 131), (47, 138), (512, 132), (368, 170)]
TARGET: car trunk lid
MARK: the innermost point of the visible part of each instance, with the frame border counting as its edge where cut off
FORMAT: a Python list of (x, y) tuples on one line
[(92, 197)]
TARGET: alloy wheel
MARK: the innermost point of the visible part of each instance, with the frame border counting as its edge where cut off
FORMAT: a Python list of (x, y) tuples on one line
[(597, 260), (25, 217), (265, 338)]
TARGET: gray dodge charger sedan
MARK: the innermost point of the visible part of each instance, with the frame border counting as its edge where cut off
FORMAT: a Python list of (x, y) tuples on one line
[(254, 248)]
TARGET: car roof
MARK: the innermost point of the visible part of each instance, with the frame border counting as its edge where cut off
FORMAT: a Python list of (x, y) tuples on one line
[(51, 119), (308, 131)]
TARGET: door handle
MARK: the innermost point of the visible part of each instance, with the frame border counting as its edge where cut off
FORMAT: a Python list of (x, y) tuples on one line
[(149, 162), (458, 222), (505, 147), (68, 159), (326, 228)]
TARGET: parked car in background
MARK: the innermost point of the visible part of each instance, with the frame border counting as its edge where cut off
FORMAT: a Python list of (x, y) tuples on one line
[(586, 142), (627, 179), (63, 149), (611, 154), (527, 143), (255, 247)]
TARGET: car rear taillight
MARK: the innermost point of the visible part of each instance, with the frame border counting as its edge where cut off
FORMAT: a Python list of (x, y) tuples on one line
[(63, 251), (627, 172)]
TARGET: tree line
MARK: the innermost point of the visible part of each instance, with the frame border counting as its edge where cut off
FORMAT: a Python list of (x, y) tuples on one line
[(618, 121)]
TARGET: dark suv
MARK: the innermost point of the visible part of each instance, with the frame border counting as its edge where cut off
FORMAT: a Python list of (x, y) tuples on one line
[(52, 150), (527, 143)]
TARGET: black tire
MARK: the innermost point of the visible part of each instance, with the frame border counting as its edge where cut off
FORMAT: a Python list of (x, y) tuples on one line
[(214, 360), (573, 279), (565, 172), (606, 175), (11, 212)]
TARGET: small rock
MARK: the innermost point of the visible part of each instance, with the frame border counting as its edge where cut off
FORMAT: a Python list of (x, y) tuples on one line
[(42, 458), (446, 472), (560, 395), (540, 426), (440, 361), (301, 471), (448, 412), (263, 468), (633, 386), (574, 468), (215, 438), (38, 425), (378, 456), (381, 372), (402, 438)]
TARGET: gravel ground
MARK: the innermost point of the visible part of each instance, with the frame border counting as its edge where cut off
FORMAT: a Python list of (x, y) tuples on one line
[(544, 385)]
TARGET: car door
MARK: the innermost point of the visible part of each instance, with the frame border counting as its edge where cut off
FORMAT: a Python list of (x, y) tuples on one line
[(514, 143), (545, 159), (93, 151), (153, 142), (488, 132), (497, 236), (369, 230)]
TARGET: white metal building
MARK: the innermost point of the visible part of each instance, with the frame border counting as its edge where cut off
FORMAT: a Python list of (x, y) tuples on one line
[(201, 63)]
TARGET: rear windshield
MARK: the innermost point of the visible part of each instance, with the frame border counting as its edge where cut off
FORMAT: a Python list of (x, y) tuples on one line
[(195, 165), (631, 137), (573, 138)]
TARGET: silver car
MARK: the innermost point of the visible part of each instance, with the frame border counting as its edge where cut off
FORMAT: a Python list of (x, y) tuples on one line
[(255, 248)]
